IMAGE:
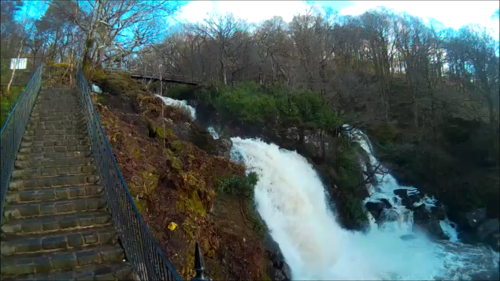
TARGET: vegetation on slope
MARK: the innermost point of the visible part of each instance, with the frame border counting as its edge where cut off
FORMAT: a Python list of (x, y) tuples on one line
[(174, 181)]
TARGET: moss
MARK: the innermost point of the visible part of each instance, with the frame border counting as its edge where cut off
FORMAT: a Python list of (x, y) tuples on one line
[(140, 204), (177, 146), (172, 159)]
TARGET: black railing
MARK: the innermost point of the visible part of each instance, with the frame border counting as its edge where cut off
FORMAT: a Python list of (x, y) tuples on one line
[(13, 131), (141, 248)]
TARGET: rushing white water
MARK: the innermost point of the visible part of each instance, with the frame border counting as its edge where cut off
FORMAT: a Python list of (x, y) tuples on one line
[(182, 104), (213, 133), (292, 201)]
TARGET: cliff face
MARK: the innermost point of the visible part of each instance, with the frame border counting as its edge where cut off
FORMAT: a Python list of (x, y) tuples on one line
[(172, 169)]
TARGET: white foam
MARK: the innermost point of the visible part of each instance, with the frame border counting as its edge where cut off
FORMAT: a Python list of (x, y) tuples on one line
[(179, 104), (213, 133), (291, 199)]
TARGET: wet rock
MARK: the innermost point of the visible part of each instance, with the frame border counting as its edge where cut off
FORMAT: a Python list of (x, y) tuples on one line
[(272, 249), (470, 220), (408, 237), (375, 208), (386, 203), (223, 147), (389, 215), (434, 228), (487, 230), (428, 223), (402, 193), (287, 271), (421, 215), (475, 218), (279, 275), (438, 212)]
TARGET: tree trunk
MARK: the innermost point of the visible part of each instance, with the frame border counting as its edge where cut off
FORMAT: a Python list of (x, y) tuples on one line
[(14, 70)]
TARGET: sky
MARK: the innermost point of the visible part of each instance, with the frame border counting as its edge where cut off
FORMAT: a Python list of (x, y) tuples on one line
[(452, 14)]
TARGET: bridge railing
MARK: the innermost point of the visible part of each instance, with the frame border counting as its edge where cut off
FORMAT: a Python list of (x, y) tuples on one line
[(155, 75), (141, 248), (13, 129)]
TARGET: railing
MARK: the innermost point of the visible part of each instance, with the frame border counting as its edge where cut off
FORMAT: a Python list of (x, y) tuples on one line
[(155, 75), (13, 130), (141, 248)]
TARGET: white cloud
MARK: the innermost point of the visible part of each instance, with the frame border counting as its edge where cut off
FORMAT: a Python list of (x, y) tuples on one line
[(253, 11), (451, 14)]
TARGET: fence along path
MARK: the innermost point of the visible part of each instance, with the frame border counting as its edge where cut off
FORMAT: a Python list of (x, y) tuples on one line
[(66, 211)]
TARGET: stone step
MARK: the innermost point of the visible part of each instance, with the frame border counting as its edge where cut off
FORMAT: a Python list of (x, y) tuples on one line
[(56, 118), (31, 210), (75, 112), (62, 148), (62, 126), (48, 163), (111, 271), (48, 182), (49, 242), (40, 133), (55, 138), (52, 224), (39, 143), (34, 124), (53, 155), (53, 172), (67, 260), (54, 194)]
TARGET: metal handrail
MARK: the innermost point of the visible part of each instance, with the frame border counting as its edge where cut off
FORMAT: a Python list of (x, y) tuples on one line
[(13, 129), (155, 75), (141, 248)]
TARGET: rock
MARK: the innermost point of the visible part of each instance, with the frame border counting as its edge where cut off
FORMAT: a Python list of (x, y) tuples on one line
[(470, 220), (408, 237), (386, 203), (487, 229), (223, 147), (493, 241), (389, 215), (375, 208), (273, 251), (430, 224), (438, 212), (434, 228), (287, 271), (402, 193), (277, 275), (421, 215)]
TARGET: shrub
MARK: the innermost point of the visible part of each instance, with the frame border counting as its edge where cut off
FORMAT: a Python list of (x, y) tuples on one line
[(239, 185), (179, 92)]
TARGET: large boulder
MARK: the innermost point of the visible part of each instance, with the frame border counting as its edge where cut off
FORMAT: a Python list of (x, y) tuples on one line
[(488, 233), (421, 215), (375, 208), (438, 212), (427, 222), (402, 193), (389, 215), (470, 220)]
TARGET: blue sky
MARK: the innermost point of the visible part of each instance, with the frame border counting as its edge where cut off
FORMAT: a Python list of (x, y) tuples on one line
[(452, 14)]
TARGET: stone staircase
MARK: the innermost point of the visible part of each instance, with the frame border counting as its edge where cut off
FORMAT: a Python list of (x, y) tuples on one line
[(56, 224)]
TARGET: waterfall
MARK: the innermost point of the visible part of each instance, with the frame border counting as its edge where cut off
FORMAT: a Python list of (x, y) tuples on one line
[(213, 133), (291, 199), (181, 104)]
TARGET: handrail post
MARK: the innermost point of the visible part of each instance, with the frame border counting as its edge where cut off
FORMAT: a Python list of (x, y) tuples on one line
[(199, 265)]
